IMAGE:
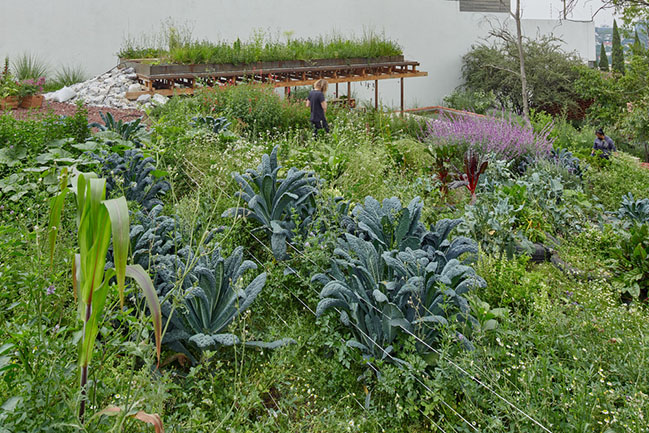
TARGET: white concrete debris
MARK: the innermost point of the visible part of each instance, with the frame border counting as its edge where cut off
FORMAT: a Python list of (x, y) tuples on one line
[(106, 90), (61, 95), (160, 99)]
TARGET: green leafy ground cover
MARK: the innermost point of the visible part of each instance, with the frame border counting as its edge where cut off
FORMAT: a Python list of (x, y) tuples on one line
[(176, 46), (533, 348)]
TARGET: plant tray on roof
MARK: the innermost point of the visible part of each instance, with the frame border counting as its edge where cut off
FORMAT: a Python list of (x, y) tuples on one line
[(146, 67), (193, 57)]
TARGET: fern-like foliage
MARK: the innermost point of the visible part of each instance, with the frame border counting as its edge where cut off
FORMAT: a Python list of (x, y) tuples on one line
[(277, 203), (132, 174), (395, 277)]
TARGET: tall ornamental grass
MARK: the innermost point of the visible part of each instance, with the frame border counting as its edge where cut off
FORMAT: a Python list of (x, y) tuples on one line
[(505, 136)]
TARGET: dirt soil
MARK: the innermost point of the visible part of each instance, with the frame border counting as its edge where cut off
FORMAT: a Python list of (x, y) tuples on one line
[(64, 109)]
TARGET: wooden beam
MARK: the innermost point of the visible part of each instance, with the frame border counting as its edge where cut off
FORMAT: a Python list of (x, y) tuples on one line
[(353, 79), (164, 92)]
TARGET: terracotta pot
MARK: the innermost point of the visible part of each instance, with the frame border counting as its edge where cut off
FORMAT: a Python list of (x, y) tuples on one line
[(9, 103), (32, 101)]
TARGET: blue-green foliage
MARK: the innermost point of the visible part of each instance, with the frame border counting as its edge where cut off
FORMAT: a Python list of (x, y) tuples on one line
[(205, 287), (281, 205), (133, 175), (132, 131), (632, 210), (394, 277), (215, 297), (512, 212), (216, 125)]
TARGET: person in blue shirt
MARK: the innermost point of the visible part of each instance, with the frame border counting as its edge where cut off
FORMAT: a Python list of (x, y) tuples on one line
[(316, 101), (604, 144)]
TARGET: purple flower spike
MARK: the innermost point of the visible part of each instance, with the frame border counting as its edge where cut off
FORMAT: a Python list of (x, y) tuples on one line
[(50, 290), (503, 136)]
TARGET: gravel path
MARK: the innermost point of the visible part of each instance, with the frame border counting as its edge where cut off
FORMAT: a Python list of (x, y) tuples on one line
[(64, 109)]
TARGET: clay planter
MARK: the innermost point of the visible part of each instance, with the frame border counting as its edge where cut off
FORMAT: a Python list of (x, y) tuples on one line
[(32, 101), (9, 103)]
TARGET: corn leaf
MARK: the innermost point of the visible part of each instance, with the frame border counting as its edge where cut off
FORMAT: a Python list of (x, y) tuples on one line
[(76, 275), (56, 208), (118, 211), (142, 278)]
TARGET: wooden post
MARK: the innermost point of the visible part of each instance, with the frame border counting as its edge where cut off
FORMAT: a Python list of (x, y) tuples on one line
[(402, 96), (349, 93), (376, 94), (336, 90)]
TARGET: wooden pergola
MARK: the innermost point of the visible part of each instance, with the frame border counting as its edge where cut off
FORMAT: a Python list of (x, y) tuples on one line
[(171, 80)]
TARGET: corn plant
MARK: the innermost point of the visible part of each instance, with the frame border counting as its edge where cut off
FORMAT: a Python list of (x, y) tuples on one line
[(97, 220)]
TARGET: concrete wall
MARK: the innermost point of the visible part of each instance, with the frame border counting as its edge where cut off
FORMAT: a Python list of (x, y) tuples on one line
[(579, 36), (89, 33)]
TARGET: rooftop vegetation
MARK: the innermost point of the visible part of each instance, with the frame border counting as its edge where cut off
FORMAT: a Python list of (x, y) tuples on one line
[(175, 46)]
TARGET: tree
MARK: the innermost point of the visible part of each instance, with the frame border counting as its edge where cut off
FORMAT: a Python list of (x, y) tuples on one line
[(617, 54), (637, 45), (505, 35), (551, 73), (603, 59)]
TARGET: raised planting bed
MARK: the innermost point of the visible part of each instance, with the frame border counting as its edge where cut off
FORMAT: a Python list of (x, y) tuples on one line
[(152, 67)]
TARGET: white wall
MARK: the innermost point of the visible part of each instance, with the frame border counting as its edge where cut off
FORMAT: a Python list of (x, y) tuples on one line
[(579, 36), (89, 33)]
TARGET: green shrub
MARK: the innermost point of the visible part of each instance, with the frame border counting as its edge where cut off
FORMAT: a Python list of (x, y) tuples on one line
[(256, 108), (476, 101), (29, 66), (620, 175), (632, 263), (510, 282)]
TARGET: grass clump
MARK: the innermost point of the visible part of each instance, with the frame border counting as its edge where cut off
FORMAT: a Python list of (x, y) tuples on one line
[(180, 48)]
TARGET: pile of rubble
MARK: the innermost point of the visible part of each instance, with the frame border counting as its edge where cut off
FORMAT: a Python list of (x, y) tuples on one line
[(107, 90)]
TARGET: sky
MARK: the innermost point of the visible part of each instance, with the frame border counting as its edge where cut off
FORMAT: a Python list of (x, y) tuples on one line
[(537, 9)]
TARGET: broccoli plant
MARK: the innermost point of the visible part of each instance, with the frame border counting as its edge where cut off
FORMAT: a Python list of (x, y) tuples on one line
[(281, 205)]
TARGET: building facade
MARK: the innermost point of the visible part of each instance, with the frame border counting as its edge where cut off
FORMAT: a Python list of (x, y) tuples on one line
[(437, 33)]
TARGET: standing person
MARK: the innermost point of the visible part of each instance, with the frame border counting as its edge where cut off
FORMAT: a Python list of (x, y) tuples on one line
[(603, 143), (316, 101)]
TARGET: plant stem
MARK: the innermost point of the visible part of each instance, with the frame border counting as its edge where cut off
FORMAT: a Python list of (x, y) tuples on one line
[(84, 368)]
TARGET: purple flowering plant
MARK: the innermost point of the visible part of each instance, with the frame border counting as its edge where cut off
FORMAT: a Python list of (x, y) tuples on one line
[(503, 136), (30, 86)]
